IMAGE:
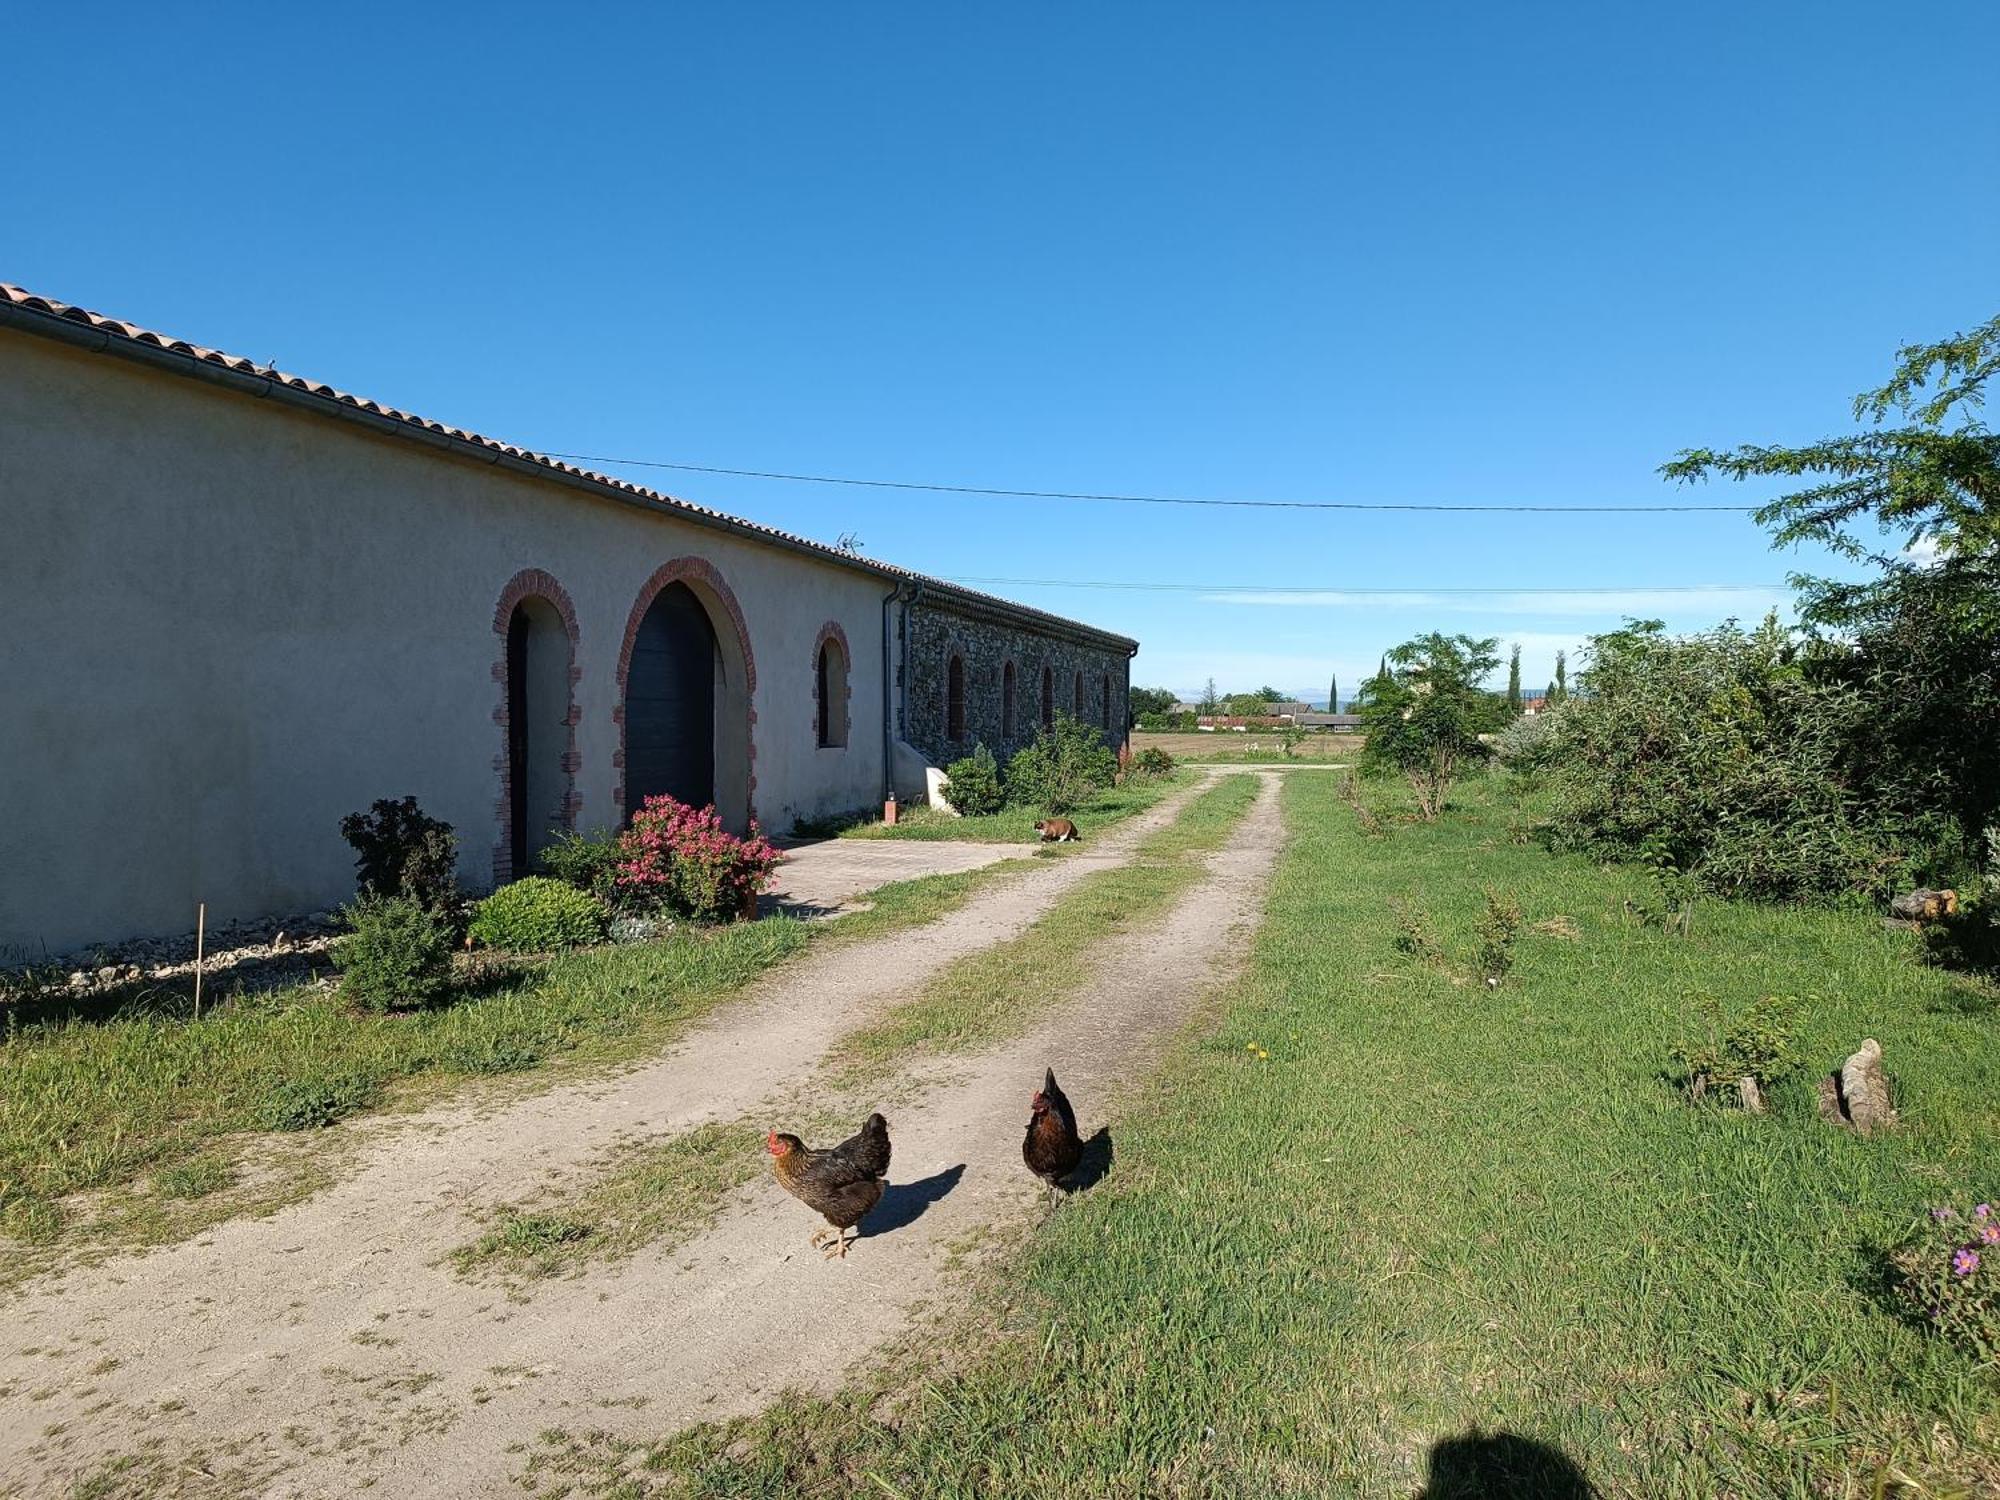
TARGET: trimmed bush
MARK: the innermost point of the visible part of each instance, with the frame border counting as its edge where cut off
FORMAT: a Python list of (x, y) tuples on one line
[(402, 851), (397, 956), (588, 861), (681, 859), (1061, 768), (1153, 763), (539, 915), (972, 784)]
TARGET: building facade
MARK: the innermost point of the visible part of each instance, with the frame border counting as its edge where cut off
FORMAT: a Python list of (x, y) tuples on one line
[(246, 604)]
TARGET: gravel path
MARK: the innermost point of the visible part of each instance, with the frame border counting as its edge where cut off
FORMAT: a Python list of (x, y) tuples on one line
[(324, 1349)]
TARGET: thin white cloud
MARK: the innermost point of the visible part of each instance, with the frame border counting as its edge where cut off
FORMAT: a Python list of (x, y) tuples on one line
[(1668, 604)]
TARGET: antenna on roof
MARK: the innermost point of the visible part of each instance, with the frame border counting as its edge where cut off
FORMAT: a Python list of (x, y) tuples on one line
[(849, 542)]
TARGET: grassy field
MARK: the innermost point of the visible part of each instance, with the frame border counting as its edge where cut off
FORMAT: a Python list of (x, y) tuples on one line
[(1016, 825), (1375, 1230), (159, 1108), (1252, 747)]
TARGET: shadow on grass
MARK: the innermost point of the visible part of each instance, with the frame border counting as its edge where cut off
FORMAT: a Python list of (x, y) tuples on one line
[(1099, 1152), (903, 1203), (1502, 1466)]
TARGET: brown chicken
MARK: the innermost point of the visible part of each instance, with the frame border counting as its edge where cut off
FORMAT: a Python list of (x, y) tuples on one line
[(842, 1182), (1052, 1148)]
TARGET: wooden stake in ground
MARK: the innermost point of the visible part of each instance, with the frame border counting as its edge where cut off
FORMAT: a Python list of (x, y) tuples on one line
[(200, 932)]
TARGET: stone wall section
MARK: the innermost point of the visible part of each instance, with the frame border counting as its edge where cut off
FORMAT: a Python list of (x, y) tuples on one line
[(934, 635)]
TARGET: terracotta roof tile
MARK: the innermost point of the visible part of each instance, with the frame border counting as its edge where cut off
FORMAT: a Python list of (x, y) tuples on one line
[(117, 328)]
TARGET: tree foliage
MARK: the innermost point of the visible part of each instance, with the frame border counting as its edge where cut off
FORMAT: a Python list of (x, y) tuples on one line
[(1514, 681), (1922, 478), (1152, 700), (1424, 711), (1920, 641)]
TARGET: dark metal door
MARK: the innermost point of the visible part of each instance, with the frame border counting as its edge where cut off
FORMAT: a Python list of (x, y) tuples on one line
[(670, 703)]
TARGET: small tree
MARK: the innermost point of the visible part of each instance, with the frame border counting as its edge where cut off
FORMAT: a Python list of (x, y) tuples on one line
[(1559, 689), (1424, 715), (1514, 682), (1208, 698), (1333, 695)]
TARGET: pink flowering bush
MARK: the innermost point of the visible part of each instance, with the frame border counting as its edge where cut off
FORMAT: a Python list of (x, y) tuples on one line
[(1948, 1274), (681, 859)]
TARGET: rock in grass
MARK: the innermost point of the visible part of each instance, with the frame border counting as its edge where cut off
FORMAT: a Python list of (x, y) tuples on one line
[(639, 929), (1925, 905), (1750, 1094), (1858, 1095)]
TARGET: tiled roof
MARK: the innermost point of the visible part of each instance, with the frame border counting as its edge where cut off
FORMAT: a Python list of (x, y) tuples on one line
[(116, 331)]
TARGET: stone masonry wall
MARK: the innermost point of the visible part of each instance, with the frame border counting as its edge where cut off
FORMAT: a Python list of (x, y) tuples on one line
[(936, 635)]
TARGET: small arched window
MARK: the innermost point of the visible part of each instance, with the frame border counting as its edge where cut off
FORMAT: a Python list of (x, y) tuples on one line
[(1104, 681), (1007, 702), (954, 699), (831, 679), (1076, 696), (1048, 697)]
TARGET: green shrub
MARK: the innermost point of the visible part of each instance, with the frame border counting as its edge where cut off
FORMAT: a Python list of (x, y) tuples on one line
[(1525, 746), (1717, 756), (401, 851), (1497, 931), (314, 1100), (972, 784), (1758, 1045), (588, 861), (539, 915), (1060, 769), (1152, 763), (398, 955)]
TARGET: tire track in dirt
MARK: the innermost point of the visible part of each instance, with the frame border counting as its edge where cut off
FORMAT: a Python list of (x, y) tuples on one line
[(327, 1335)]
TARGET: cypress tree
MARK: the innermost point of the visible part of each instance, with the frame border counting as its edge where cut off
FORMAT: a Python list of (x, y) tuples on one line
[(1333, 694), (1559, 689), (1514, 682)]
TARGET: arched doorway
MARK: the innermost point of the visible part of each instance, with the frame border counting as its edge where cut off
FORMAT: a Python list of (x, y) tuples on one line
[(538, 729), (670, 691)]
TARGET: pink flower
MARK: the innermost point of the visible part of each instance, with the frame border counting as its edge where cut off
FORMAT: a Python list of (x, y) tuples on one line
[(1989, 1233), (1965, 1262)]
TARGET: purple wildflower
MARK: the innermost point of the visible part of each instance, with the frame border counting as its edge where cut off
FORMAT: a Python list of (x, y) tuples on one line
[(1982, 1211), (1965, 1262), (1989, 1234), (1943, 1215)]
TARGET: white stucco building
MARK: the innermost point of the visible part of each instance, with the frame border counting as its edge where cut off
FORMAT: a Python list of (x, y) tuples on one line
[(243, 604)]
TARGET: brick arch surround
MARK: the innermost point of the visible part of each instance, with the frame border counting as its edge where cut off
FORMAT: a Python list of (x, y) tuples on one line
[(831, 631), (532, 583), (713, 590)]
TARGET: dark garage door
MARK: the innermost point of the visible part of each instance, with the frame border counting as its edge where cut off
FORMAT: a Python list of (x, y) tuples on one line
[(670, 703)]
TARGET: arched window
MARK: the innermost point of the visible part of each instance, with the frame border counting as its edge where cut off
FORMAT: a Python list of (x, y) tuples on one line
[(1076, 710), (831, 682), (1007, 702), (954, 699), (1048, 697), (1104, 681)]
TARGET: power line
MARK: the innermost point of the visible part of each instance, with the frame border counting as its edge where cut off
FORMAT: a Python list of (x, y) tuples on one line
[(1321, 588), (974, 489)]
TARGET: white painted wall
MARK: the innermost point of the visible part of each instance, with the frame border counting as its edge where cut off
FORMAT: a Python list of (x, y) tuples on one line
[(228, 623)]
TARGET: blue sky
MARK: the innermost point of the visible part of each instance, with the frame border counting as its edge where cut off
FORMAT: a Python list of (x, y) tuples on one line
[(1471, 254)]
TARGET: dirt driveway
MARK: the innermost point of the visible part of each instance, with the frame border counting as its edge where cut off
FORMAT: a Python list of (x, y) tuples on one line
[(328, 1348)]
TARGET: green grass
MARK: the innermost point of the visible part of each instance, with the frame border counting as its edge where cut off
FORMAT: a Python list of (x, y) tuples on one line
[(101, 1102), (1438, 1212), (1016, 825), (999, 989)]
